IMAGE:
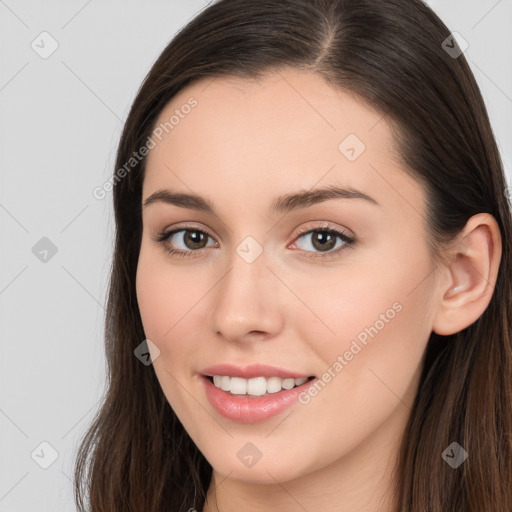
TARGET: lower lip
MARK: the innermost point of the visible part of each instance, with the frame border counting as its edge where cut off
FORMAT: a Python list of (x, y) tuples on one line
[(246, 409)]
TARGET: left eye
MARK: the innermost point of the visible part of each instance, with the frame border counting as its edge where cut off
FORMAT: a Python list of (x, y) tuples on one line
[(325, 240)]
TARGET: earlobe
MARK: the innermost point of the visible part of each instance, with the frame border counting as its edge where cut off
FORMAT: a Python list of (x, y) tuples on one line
[(470, 275)]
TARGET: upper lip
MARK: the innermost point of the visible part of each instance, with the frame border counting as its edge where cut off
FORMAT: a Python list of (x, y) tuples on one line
[(251, 371)]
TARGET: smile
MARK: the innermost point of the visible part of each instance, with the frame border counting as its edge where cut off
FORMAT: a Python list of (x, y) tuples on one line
[(257, 386), (245, 405)]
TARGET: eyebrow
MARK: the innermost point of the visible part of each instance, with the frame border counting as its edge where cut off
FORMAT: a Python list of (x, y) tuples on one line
[(282, 204)]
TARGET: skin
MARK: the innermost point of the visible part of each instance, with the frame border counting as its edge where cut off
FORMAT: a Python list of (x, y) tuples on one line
[(245, 143)]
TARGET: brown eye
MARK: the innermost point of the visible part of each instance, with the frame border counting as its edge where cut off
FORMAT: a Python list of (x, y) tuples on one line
[(184, 242), (194, 239), (324, 242)]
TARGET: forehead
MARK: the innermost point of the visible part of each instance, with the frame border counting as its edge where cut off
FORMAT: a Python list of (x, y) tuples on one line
[(289, 129), (291, 104)]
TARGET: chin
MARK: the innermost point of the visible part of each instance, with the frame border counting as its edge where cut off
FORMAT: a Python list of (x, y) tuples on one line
[(276, 468)]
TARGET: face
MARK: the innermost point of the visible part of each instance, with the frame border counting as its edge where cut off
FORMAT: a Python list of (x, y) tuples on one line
[(337, 287)]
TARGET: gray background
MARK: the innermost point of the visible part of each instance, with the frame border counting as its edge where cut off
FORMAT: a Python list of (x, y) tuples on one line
[(60, 124)]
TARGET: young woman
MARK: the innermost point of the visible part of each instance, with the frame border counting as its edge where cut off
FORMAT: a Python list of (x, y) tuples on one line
[(313, 248)]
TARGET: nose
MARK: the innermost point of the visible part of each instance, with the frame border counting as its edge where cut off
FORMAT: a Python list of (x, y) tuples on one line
[(246, 302)]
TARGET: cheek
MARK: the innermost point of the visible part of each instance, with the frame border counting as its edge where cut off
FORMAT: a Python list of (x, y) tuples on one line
[(166, 308), (172, 301), (384, 302), (382, 320), (163, 294)]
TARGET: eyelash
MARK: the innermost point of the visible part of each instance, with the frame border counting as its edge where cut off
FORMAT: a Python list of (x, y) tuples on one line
[(163, 237)]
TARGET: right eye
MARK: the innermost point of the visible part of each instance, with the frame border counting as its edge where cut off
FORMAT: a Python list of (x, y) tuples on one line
[(192, 240)]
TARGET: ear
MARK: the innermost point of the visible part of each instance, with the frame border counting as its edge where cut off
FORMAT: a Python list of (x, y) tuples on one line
[(469, 275)]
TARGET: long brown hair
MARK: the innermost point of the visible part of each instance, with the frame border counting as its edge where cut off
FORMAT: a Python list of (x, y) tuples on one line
[(136, 455)]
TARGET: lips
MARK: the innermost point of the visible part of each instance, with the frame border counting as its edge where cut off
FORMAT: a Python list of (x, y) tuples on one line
[(252, 371), (243, 408)]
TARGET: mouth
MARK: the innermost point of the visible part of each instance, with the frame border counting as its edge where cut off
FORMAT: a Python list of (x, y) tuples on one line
[(256, 386), (249, 400)]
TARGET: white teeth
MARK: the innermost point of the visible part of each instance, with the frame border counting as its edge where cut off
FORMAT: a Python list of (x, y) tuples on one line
[(238, 386), (273, 384), (225, 383), (256, 386), (288, 383)]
